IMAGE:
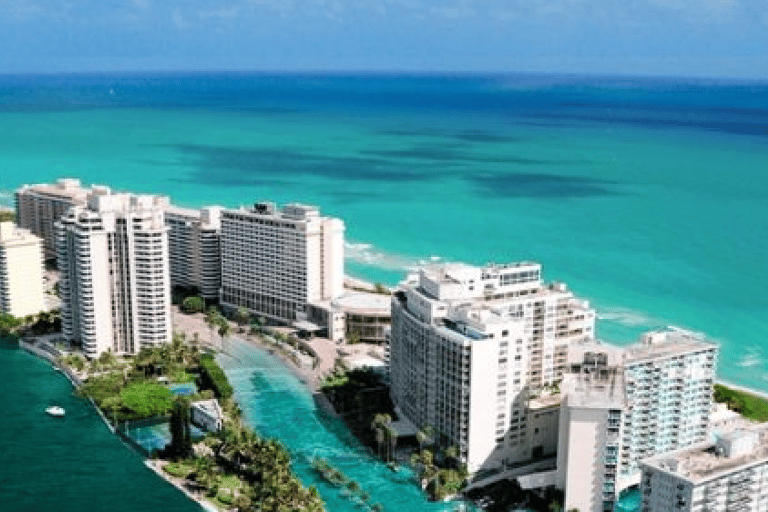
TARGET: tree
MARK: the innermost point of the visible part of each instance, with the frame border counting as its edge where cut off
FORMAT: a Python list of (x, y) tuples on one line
[(212, 317), (353, 337), (224, 329), (424, 435), (192, 305), (181, 440), (147, 399), (380, 425), (242, 316), (392, 441)]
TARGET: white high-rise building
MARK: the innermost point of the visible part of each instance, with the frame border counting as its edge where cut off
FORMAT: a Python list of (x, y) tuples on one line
[(647, 399), (729, 475), (470, 345), (277, 262), (38, 207), (115, 284), (21, 271), (193, 248), (668, 385)]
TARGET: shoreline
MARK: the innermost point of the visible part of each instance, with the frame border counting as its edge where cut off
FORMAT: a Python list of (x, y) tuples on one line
[(307, 378), (743, 389), (30, 348)]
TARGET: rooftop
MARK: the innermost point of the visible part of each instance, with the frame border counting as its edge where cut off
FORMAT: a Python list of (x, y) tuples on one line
[(704, 461), (362, 302), (600, 387), (65, 188), (10, 233), (660, 344)]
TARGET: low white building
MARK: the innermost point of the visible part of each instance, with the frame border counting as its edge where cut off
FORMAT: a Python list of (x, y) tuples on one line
[(365, 315), (207, 414), (730, 475), (21, 271)]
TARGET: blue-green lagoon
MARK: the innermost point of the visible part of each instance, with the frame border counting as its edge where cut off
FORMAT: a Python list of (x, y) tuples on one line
[(277, 404)]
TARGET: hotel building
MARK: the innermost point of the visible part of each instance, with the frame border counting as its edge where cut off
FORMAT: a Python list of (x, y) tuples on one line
[(115, 285), (38, 207), (21, 272), (729, 475), (276, 262), (470, 346), (194, 248), (647, 399)]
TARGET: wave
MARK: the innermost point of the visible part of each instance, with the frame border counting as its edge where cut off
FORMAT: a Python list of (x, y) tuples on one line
[(628, 317), (368, 254), (751, 358)]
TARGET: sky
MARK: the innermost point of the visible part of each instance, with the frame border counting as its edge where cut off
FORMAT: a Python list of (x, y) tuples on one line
[(710, 38)]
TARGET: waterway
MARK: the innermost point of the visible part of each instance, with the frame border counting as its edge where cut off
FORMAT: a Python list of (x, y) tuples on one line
[(277, 404)]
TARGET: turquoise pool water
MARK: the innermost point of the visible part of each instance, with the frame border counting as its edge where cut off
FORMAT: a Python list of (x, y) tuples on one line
[(277, 404), (183, 389), (630, 501), (156, 436)]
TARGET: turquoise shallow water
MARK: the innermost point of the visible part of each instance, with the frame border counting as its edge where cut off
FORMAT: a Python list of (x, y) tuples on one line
[(66, 464), (647, 197), (277, 404)]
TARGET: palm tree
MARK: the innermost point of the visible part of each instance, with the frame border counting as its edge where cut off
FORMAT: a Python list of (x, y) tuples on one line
[(379, 423), (212, 319), (224, 330), (242, 316), (392, 444)]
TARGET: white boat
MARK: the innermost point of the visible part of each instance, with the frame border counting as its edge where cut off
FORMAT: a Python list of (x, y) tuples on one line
[(55, 410)]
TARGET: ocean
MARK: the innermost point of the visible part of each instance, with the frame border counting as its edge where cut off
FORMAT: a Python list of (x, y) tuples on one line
[(647, 196)]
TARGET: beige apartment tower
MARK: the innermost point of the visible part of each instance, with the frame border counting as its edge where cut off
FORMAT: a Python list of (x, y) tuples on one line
[(276, 262), (38, 207), (21, 271), (471, 346), (115, 283)]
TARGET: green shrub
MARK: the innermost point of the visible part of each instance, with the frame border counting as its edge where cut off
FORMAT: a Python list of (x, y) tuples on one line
[(225, 496), (213, 377), (194, 304), (147, 399), (178, 470)]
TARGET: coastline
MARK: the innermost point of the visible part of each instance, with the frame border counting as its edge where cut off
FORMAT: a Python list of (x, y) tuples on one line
[(744, 389), (77, 383)]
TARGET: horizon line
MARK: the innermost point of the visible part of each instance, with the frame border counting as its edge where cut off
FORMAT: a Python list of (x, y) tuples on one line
[(341, 72)]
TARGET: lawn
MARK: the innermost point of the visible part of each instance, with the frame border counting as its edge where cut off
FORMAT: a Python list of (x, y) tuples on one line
[(748, 405)]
